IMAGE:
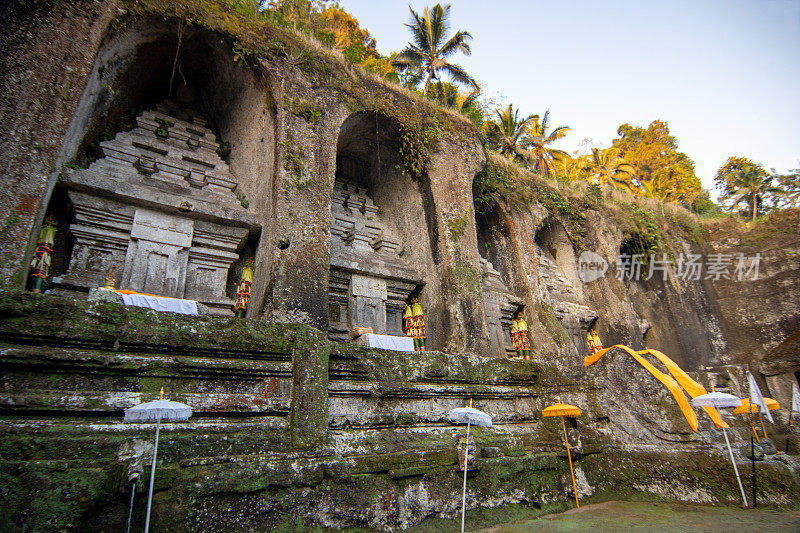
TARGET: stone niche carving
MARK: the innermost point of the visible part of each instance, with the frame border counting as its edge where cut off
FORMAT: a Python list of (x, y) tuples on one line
[(576, 318), (559, 277), (500, 306), (559, 286), (160, 207), (370, 283)]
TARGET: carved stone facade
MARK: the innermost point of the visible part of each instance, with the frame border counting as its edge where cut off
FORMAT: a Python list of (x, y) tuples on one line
[(160, 208), (370, 283), (563, 292), (501, 305)]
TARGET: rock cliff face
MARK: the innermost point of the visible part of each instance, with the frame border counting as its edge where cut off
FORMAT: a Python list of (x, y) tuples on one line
[(352, 196)]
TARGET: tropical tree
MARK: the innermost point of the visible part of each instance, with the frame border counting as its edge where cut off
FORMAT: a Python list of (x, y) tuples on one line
[(508, 132), (673, 182), (427, 54), (542, 158), (742, 180), (607, 167), (342, 31), (789, 184), (662, 171), (447, 95), (573, 167)]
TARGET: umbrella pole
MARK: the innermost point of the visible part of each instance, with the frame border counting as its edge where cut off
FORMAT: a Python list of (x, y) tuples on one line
[(464, 491), (569, 456), (752, 446), (130, 511), (788, 431), (733, 461), (152, 478), (754, 433)]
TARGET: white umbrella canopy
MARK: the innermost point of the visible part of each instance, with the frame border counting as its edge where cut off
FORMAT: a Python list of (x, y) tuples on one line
[(158, 410), (719, 400), (468, 415)]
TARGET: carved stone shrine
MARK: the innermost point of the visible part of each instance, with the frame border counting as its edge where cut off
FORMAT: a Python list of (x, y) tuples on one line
[(370, 283), (161, 207)]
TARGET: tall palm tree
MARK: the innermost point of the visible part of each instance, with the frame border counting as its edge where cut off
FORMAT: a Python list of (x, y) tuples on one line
[(751, 184), (608, 167), (430, 48), (508, 133), (540, 155)]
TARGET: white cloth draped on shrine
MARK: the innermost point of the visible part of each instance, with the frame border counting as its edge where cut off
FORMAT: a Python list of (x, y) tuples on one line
[(388, 342), (173, 305)]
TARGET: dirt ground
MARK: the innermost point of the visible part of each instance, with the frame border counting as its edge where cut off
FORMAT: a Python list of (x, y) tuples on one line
[(631, 517)]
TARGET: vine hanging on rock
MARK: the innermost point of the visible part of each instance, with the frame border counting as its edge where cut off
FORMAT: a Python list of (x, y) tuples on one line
[(417, 142)]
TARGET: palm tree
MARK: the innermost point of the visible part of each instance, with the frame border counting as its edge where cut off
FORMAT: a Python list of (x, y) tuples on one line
[(430, 48), (509, 132), (751, 184), (608, 167), (448, 95), (571, 168), (540, 156)]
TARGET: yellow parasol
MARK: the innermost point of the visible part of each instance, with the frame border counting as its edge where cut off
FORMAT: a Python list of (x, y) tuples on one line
[(747, 408), (562, 410)]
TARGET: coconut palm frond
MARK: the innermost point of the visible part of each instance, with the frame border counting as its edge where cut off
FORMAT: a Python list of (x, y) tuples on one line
[(457, 43), (458, 74)]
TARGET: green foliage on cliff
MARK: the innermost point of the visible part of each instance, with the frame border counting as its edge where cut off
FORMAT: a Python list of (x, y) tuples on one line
[(417, 142), (278, 37)]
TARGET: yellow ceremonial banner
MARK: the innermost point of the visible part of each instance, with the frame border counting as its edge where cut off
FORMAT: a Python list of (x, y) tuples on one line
[(691, 386), (673, 387)]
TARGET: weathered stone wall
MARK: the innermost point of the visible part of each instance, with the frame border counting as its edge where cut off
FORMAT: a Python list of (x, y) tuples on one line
[(46, 52), (290, 430)]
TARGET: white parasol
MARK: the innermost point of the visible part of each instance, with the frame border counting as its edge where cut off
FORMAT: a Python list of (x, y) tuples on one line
[(157, 410), (721, 400), (474, 417), (470, 416)]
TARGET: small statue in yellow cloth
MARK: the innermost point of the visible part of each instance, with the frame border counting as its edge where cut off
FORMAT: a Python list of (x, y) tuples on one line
[(419, 326), (408, 322), (593, 340), (243, 291), (40, 266), (515, 335), (520, 337)]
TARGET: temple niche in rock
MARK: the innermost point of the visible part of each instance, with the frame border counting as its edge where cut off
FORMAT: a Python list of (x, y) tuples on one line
[(161, 208), (370, 284)]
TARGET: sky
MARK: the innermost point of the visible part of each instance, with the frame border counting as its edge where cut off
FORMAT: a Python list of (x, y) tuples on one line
[(725, 74)]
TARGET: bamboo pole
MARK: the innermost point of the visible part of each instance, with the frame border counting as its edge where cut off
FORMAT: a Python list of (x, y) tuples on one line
[(152, 475), (569, 456), (735, 469), (755, 433), (761, 418), (753, 456), (464, 492)]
